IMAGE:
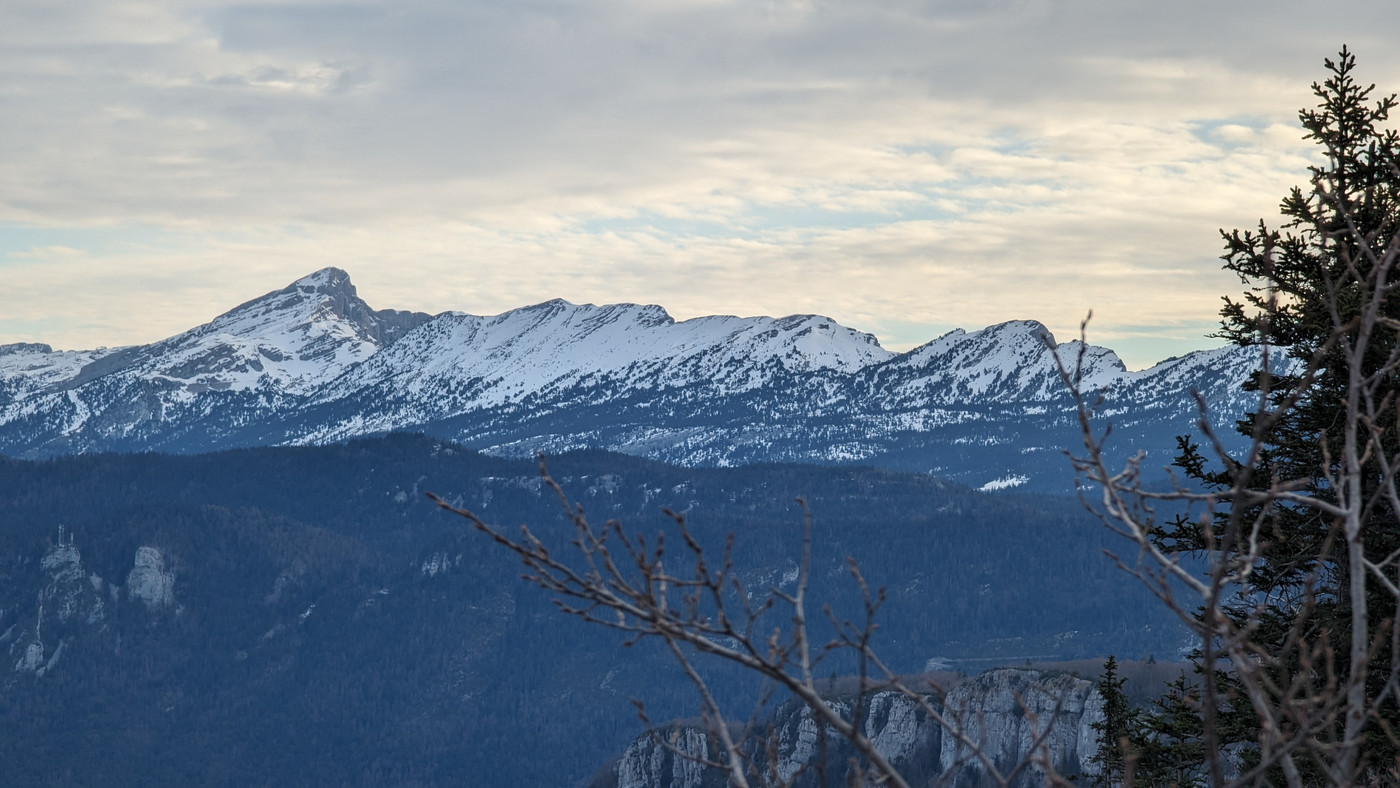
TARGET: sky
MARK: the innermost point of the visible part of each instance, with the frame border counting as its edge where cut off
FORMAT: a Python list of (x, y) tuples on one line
[(904, 166)]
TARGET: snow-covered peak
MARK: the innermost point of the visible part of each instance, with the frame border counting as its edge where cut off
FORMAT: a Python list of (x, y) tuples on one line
[(1028, 328), (292, 340), (1097, 366), (15, 348), (329, 280), (557, 345), (324, 297), (1006, 340), (1233, 364), (1015, 360)]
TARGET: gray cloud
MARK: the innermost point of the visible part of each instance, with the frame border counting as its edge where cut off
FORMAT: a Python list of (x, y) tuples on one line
[(935, 158)]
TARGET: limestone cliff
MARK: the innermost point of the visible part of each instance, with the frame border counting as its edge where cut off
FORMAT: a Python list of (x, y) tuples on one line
[(73, 601), (1007, 712), (149, 580)]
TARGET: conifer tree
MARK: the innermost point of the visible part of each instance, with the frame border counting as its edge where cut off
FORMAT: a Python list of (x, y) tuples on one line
[(1310, 285), (1115, 730)]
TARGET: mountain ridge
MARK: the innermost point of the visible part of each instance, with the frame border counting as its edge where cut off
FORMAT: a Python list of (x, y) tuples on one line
[(312, 363)]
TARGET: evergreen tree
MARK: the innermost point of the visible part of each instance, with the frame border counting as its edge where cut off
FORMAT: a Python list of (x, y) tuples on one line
[(1168, 739), (1116, 728), (1309, 284)]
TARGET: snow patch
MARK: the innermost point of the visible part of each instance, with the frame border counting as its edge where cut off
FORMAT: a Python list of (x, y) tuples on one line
[(1005, 483)]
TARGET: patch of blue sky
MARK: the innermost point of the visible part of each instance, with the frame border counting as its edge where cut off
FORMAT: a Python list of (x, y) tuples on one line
[(1180, 328), (18, 243), (34, 329), (753, 221), (1143, 345), (652, 223), (1007, 141), (935, 151), (1216, 131), (926, 202), (779, 216), (1012, 141)]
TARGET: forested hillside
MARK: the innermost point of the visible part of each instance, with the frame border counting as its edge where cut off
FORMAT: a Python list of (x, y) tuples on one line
[(325, 623)]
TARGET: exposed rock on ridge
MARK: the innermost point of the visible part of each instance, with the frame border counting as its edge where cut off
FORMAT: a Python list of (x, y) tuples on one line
[(1004, 710)]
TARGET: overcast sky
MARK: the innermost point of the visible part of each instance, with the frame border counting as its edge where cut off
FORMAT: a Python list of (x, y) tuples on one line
[(903, 166)]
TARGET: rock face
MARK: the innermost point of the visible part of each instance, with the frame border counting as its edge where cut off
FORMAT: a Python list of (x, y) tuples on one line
[(902, 732), (800, 738), (149, 581), (651, 762), (1055, 711), (70, 599), (76, 602), (1006, 711), (312, 363)]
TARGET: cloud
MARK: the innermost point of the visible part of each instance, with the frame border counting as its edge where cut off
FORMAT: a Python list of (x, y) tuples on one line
[(953, 163)]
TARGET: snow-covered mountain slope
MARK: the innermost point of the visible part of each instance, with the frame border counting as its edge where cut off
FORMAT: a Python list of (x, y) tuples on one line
[(556, 343), (174, 394), (312, 363), (1009, 362), (26, 368), (558, 354), (293, 340)]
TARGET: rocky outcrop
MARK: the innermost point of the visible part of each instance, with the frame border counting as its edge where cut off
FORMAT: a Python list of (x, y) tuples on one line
[(800, 739), (149, 580), (75, 602), (1012, 715), (70, 597), (902, 732), (669, 760), (896, 724), (439, 561)]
